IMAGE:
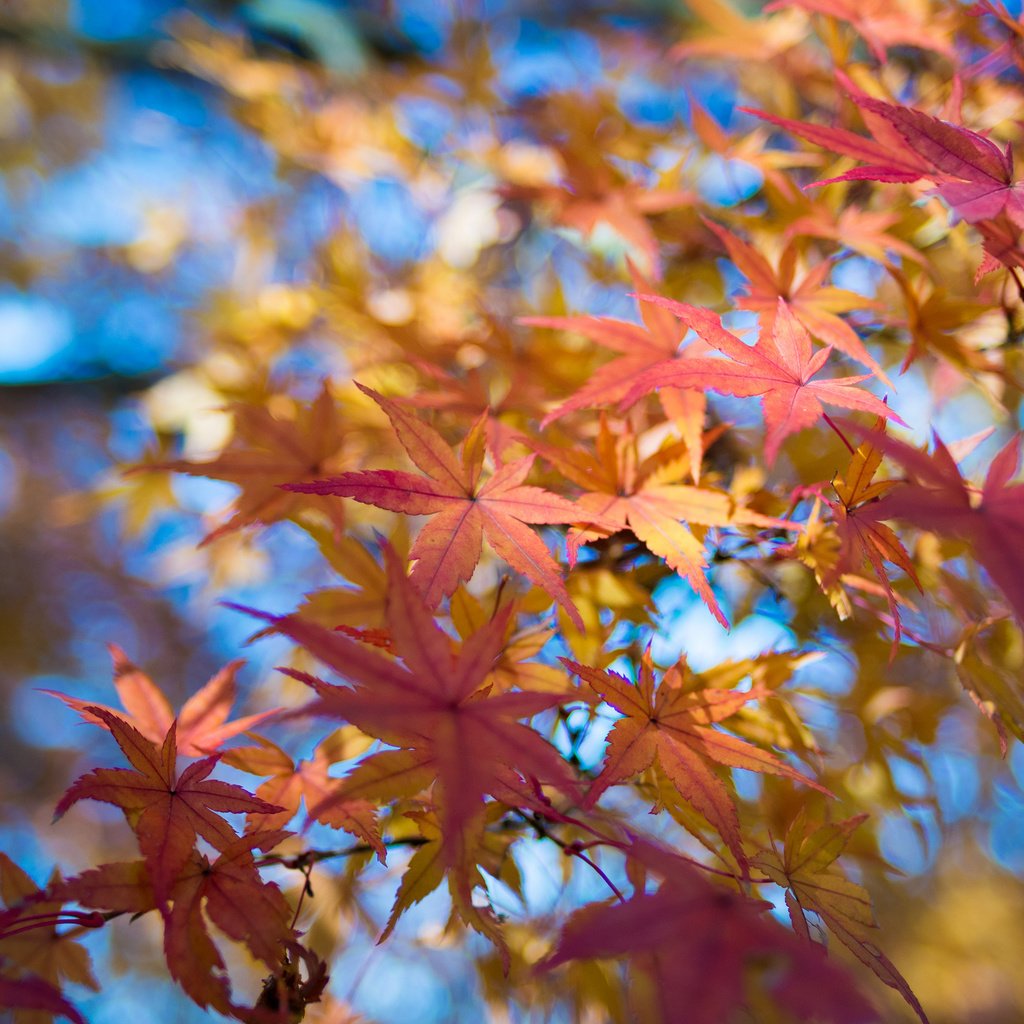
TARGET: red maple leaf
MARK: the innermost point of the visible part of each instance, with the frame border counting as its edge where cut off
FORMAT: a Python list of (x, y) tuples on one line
[(265, 451), (448, 547), (640, 346), (435, 705), (695, 944), (882, 24), (202, 724), (229, 892), (779, 370), (936, 497), (969, 170), (35, 994), (811, 302), (166, 811)]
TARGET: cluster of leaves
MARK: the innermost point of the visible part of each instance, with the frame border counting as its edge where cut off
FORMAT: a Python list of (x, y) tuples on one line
[(475, 672)]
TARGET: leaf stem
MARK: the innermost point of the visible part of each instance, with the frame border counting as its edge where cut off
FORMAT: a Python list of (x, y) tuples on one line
[(842, 437)]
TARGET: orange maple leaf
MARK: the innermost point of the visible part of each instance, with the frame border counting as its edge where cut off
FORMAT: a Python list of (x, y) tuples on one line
[(265, 451), (671, 726), (202, 724), (648, 500), (290, 782), (640, 346), (806, 870), (229, 891)]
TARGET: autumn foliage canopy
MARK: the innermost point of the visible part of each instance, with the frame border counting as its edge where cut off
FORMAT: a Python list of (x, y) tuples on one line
[(656, 384)]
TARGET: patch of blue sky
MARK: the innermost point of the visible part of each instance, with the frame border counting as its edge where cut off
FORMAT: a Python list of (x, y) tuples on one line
[(540, 867), (1016, 763), (130, 433), (646, 101), (1006, 829), (308, 363), (733, 280), (64, 727), (966, 415), (425, 22), (179, 104), (536, 60), (125, 19), (96, 203), (858, 274), (386, 992), (125, 997), (35, 335), (957, 784), (726, 182), (591, 751), (749, 785), (902, 844), (914, 402), (202, 495), (716, 94), (686, 626), (833, 671), (390, 220), (427, 122), (909, 778), (137, 335), (954, 420), (20, 841)]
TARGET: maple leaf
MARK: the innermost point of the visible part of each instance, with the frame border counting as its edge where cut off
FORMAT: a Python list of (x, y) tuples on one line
[(969, 170), (670, 726), (806, 870), (779, 369), (512, 668), (31, 946), (595, 192), (360, 603), (641, 346), (265, 451), (202, 724), (36, 996), (166, 811), (647, 500), (864, 231), (863, 538), (448, 547), (880, 23), (936, 497), (290, 782), (437, 709), (723, 31), (695, 943), (229, 891), (811, 302), (244, 907), (428, 865)]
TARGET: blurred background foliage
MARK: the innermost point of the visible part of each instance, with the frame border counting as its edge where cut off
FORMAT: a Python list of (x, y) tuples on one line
[(212, 202)]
